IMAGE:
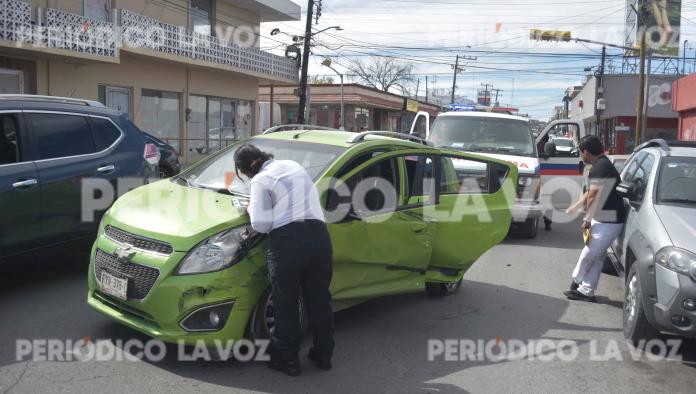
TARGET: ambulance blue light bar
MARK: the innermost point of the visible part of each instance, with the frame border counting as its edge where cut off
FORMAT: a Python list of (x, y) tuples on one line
[(462, 107)]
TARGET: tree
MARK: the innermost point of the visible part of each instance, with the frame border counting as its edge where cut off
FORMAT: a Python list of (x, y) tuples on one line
[(383, 73), (319, 80)]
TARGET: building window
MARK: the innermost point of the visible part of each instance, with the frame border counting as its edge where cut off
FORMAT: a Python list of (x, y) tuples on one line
[(11, 81), (202, 16), (215, 122), (161, 115), (362, 119), (245, 118), (97, 9)]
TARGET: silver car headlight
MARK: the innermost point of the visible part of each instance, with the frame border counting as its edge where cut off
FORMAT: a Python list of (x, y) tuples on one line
[(678, 260), (217, 252)]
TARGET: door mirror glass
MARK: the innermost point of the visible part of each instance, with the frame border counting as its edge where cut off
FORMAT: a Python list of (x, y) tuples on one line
[(550, 149), (627, 190)]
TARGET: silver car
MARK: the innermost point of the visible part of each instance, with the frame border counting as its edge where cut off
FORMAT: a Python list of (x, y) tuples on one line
[(656, 253)]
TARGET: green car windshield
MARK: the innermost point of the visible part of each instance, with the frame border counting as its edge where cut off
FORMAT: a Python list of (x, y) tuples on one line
[(219, 173), (483, 134)]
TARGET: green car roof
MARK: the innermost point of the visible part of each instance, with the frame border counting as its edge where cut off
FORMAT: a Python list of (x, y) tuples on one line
[(335, 137)]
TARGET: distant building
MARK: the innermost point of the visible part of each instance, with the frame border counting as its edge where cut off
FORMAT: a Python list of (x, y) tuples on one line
[(366, 108), (618, 118), (684, 102)]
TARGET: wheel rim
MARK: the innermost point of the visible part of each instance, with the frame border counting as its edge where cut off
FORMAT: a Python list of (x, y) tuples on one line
[(631, 302), (452, 286), (269, 319)]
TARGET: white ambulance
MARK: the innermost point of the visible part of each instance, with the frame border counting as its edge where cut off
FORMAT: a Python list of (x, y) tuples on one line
[(508, 137)]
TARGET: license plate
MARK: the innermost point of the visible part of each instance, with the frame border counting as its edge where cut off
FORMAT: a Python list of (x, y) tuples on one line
[(114, 286)]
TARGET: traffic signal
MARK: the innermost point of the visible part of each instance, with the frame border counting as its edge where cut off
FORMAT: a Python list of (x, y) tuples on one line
[(549, 35)]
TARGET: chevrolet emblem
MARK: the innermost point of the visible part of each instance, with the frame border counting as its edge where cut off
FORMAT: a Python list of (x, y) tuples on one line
[(124, 254)]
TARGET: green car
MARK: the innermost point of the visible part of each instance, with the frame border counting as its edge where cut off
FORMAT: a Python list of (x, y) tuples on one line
[(177, 259)]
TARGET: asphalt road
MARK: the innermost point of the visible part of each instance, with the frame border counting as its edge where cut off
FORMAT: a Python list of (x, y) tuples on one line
[(512, 293)]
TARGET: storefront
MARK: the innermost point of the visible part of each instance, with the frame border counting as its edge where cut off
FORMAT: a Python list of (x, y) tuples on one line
[(364, 108), (684, 102)]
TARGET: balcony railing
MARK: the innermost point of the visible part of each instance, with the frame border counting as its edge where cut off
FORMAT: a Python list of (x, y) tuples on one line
[(139, 31), (15, 19), (64, 30)]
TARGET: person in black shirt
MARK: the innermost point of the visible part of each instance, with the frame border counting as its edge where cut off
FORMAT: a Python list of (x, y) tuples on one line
[(604, 218)]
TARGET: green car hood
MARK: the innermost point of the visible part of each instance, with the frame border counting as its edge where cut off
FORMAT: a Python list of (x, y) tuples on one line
[(180, 215)]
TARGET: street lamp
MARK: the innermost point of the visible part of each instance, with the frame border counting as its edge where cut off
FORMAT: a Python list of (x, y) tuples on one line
[(327, 63), (684, 68), (337, 28)]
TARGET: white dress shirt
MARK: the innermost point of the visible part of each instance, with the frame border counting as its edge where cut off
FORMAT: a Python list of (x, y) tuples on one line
[(282, 193)]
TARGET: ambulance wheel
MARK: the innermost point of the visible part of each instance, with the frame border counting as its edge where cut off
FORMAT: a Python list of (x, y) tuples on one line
[(529, 228)]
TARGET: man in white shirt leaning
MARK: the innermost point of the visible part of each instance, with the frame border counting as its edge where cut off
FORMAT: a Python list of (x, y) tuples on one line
[(284, 203)]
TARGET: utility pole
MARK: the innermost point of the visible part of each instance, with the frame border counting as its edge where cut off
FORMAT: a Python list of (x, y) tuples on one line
[(417, 87), (485, 90), (642, 14), (454, 80), (684, 54), (305, 64), (426, 88), (646, 88), (496, 95), (456, 71), (598, 83)]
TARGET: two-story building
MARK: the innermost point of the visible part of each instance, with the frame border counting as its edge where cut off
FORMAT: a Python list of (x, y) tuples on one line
[(187, 71)]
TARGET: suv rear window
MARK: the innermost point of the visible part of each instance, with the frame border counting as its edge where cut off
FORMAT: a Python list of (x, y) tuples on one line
[(60, 135), (105, 133)]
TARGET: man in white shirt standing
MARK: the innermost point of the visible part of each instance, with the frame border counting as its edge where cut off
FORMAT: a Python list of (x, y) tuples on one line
[(284, 202)]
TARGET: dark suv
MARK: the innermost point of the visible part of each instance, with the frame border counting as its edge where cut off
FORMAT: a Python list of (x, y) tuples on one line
[(48, 147)]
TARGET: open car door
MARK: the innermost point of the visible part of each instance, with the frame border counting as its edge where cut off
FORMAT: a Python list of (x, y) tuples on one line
[(561, 172), (421, 125), (475, 195)]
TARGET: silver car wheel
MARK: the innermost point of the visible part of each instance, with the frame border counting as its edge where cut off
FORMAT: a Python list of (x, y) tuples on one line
[(631, 302)]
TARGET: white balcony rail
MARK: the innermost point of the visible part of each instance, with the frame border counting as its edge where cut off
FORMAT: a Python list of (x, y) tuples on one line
[(65, 30), (74, 32), (138, 31), (15, 20)]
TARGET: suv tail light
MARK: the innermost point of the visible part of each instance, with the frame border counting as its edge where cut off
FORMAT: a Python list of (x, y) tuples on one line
[(151, 154)]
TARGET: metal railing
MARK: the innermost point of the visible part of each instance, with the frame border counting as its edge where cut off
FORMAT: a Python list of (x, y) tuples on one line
[(139, 31)]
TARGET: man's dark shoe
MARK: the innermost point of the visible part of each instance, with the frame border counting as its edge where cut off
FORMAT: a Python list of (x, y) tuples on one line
[(322, 363), (574, 286), (291, 367), (578, 296)]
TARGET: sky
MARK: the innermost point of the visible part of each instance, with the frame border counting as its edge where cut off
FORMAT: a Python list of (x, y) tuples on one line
[(430, 33)]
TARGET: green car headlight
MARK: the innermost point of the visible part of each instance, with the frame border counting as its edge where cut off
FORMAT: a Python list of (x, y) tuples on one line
[(678, 260), (217, 252)]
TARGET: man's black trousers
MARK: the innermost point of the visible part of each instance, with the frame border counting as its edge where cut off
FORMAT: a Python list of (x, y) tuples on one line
[(300, 260)]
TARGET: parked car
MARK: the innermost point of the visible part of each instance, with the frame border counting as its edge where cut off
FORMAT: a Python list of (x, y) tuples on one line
[(565, 146), (169, 157), (48, 146), (656, 254), (203, 275)]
